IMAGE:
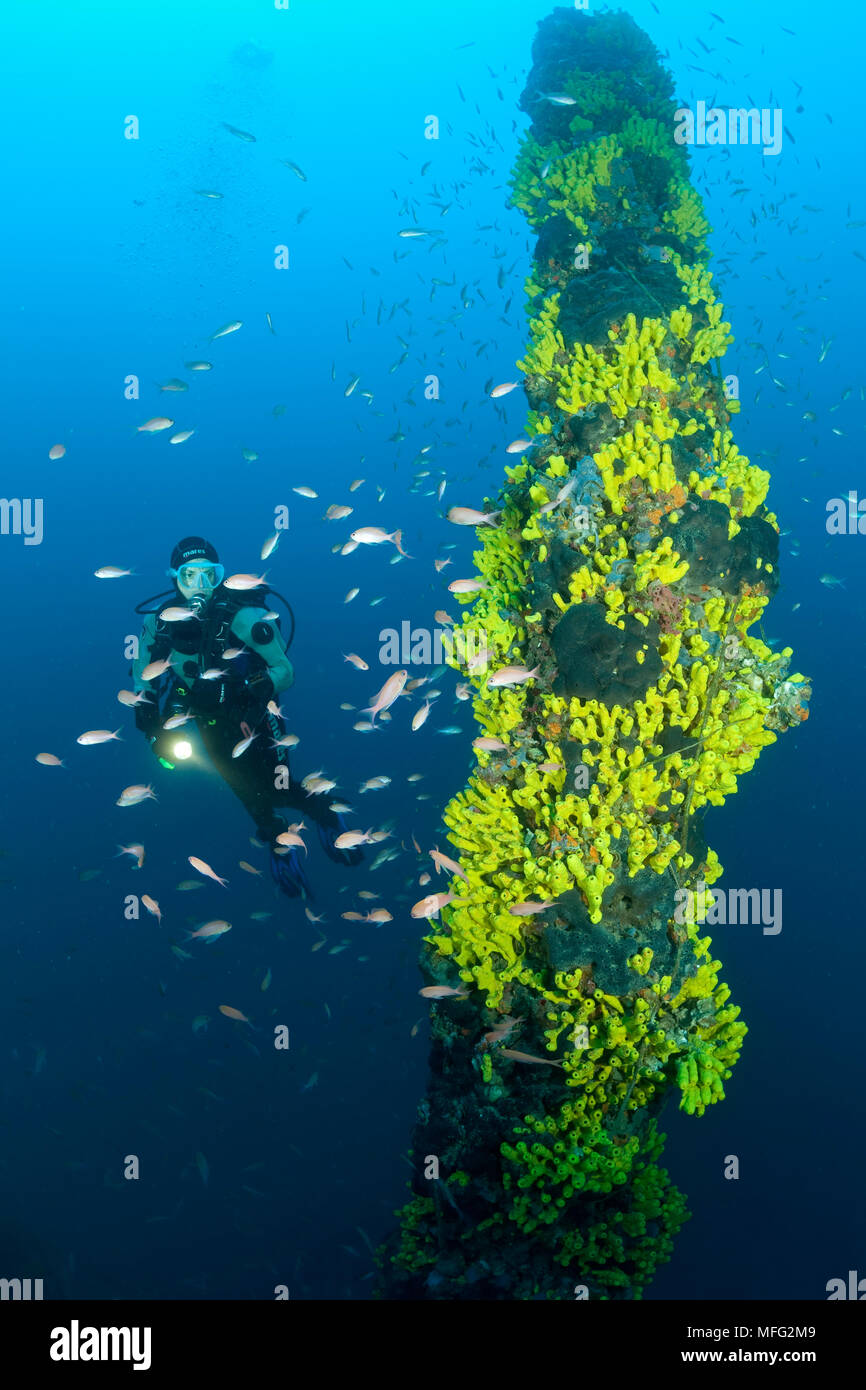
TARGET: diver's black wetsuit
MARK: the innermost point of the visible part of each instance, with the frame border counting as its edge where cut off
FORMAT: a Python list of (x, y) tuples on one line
[(253, 775), (260, 777)]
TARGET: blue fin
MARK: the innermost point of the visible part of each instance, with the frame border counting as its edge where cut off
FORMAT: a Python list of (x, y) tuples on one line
[(289, 874), (328, 834)]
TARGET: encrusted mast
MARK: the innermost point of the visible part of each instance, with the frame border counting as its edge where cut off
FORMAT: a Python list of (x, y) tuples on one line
[(633, 558)]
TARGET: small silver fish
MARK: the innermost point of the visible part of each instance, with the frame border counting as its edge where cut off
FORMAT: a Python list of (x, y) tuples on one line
[(295, 170), (241, 134), (226, 329)]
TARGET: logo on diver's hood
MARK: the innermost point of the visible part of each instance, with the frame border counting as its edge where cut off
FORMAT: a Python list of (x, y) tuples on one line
[(192, 548)]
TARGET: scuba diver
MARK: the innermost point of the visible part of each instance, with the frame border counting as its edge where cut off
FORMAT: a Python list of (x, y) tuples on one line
[(227, 668)]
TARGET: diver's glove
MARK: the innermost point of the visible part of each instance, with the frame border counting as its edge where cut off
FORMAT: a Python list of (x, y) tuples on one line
[(328, 832), (289, 874), (207, 697), (255, 700), (162, 748), (147, 719)]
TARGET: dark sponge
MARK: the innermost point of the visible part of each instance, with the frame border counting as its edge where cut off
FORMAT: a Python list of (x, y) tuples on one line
[(636, 914), (597, 661), (701, 537)]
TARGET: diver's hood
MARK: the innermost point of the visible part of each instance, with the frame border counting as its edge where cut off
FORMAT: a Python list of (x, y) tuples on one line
[(193, 548)]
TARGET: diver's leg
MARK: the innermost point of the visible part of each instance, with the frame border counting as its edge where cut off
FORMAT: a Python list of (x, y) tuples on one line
[(251, 778), (289, 795), (329, 824), (246, 776)]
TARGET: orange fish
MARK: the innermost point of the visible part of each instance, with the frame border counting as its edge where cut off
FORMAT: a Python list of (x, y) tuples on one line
[(390, 691), (374, 535), (466, 586), (288, 838), (131, 698), (467, 516), (528, 1057), (242, 582), (432, 905), (443, 862), (560, 497), (131, 796), (154, 669), (350, 839), (159, 422), (420, 716), (517, 446), (137, 852), (233, 1013), (206, 869), (209, 931), (241, 747), (489, 745), (511, 675), (502, 1029)]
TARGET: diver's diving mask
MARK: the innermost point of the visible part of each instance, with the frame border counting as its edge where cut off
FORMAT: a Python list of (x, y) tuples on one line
[(198, 579)]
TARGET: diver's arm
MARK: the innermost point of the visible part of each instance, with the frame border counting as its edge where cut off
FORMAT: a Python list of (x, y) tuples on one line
[(262, 637), (148, 719), (145, 648), (146, 713)]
